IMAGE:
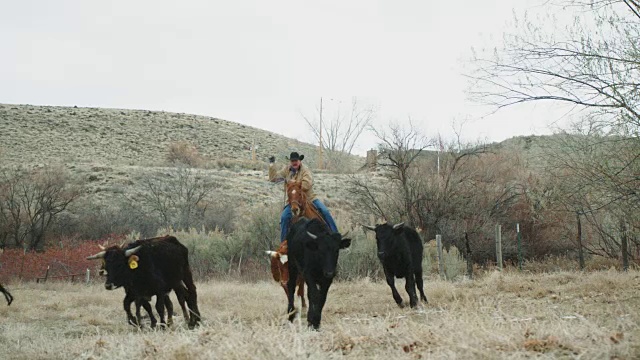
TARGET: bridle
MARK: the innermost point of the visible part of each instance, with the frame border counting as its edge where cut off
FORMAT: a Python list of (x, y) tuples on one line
[(300, 202)]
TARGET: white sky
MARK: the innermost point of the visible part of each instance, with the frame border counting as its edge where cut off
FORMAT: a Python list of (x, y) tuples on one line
[(261, 62)]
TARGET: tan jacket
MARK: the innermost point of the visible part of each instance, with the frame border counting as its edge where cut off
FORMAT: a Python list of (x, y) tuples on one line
[(303, 175)]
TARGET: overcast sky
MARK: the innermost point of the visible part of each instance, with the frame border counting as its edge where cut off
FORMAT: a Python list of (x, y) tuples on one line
[(260, 62)]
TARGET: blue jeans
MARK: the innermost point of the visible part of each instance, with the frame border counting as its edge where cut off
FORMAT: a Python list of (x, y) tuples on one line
[(286, 216)]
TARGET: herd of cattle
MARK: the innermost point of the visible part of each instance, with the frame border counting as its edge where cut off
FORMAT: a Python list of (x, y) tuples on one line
[(155, 267)]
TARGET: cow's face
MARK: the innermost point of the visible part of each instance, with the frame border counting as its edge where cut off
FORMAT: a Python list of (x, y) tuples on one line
[(116, 265), (386, 236), (325, 248)]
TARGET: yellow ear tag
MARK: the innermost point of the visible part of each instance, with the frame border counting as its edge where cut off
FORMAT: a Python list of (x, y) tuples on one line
[(133, 262)]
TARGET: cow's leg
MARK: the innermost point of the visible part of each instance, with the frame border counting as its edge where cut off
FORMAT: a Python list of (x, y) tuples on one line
[(285, 285), (301, 290), (160, 305), (147, 307), (128, 299), (194, 312), (410, 287), (315, 300), (420, 285), (391, 282), (169, 305), (192, 299), (322, 297), (7, 295), (181, 295), (291, 291)]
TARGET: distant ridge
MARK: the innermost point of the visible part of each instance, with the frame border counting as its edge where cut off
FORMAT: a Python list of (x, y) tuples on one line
[(45, 134)]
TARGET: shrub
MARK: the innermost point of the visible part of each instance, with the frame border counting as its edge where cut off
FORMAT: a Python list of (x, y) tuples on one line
[(454, 265), (360, 259), (183, 152), (211, 253)]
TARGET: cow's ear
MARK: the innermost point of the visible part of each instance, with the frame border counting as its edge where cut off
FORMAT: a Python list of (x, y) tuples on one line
[(312, 245), (345, 243)]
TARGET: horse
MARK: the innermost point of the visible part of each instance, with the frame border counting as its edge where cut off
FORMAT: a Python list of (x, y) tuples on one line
[(300, 207)]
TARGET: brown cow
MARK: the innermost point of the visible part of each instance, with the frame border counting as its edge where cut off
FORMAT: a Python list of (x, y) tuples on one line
[(280, 271)]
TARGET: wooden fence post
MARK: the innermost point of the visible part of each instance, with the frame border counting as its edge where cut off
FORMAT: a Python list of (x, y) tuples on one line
[(469, 260), (499, 246), (88, 278), (580, 252), (624, 243), (519, 246), (46, 275), (440, 257)]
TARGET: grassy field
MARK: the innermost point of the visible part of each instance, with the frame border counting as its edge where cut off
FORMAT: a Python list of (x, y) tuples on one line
[(560, 315)]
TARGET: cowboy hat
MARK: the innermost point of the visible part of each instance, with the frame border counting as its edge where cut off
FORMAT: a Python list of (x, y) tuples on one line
[(295, 156)]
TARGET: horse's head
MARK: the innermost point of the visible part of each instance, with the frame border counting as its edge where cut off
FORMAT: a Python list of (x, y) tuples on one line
[(296, 198)]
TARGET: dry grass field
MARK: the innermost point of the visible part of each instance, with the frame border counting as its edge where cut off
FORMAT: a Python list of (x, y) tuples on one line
[(561, 315)]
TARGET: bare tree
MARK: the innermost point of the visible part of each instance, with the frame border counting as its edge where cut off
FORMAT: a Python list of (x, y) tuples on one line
[(593, 64), (340, 128), (11, 208), (178, 198), (399, 150), (474, 188), (596, 177), (31, 201)]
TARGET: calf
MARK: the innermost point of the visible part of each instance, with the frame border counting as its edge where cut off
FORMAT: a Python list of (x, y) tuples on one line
[(313, 252), (130, 296), (280, 270), (400, 251), (147, 268)]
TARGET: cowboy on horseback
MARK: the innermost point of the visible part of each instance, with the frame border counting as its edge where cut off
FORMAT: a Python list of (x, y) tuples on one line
[(295, 171)]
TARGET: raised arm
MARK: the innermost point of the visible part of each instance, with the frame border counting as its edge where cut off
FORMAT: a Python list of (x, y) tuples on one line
[(276, 174)]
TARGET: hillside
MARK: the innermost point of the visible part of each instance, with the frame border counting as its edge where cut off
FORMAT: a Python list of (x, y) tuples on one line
[(114, 151), (42, 134)]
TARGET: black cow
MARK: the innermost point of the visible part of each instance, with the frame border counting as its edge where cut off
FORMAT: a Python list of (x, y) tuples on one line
[(313, 251), (143, 300), (152, 267), (400, 251), (7, 295)]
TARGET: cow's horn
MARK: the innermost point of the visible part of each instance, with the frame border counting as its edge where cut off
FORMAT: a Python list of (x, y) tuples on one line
[(271, 253), (372, 228), (132, 251), (101, 247), (314, 237), (398, 226), (99, 255)]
